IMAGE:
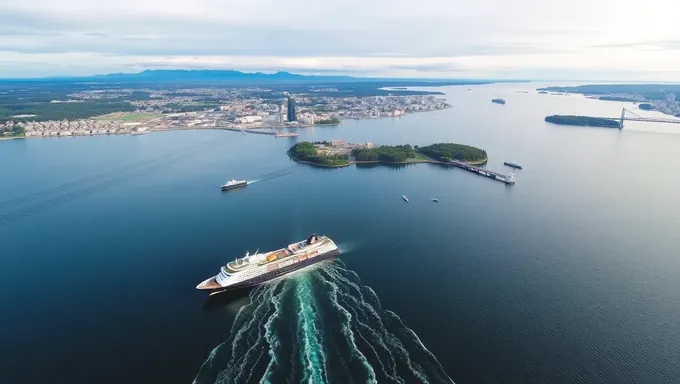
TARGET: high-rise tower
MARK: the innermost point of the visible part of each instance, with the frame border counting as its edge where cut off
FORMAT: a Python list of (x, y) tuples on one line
[(291, 109)]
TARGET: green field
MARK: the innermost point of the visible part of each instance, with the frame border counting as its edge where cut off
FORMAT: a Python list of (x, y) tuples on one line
[(132, 116)]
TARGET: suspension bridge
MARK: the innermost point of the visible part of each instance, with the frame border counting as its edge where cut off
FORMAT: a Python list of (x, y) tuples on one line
[(636, 117)]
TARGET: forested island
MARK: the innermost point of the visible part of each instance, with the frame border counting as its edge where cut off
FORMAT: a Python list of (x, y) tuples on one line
[(340, 154), (585, 121)]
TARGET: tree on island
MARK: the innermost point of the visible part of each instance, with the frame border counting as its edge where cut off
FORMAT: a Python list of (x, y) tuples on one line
[(306, 151), (391, 154), (447, 151), (330, 121), (14, 130)]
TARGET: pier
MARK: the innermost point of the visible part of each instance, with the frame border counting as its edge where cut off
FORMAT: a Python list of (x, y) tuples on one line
[(506, 178)]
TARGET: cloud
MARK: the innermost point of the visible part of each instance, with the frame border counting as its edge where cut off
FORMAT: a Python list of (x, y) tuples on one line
[(434, 37), (668, 45)]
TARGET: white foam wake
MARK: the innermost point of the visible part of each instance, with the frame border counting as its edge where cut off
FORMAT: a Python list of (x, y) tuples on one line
[(320, 326)]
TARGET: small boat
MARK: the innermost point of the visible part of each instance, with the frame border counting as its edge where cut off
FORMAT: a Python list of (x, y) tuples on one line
[(231, 184), (434, 199), (512, 164), (498, 101), (405, 198)]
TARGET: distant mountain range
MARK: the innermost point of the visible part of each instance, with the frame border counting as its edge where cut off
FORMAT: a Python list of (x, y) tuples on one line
[(197, 76), (201, 75)]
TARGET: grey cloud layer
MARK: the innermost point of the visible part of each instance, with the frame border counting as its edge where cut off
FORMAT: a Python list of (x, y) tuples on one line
[(497, 36)]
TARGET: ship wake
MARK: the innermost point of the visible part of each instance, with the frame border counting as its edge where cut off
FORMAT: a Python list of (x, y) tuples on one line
[(321, 326)]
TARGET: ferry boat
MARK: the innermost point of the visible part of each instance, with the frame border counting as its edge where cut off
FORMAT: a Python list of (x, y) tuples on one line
[(498, 101), (260, 268), (405, 198), (231, 184), (512, 164)]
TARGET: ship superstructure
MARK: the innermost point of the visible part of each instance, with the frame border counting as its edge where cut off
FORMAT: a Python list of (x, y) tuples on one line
[(231, 184), (259, 268)]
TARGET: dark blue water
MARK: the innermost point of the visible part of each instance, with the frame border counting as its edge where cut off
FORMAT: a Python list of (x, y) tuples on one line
[(569, 276)]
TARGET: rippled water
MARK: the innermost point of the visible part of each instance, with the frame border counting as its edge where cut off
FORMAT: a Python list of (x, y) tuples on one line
[(571, 275)]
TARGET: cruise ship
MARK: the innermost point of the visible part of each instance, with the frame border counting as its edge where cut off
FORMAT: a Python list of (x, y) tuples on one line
[(259, 268), (231, 184)]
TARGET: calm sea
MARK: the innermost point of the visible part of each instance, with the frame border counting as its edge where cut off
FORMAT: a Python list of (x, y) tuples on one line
[(571, 275)]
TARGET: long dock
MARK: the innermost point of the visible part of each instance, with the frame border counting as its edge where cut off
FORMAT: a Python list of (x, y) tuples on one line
[(252, 130), (506, 178)]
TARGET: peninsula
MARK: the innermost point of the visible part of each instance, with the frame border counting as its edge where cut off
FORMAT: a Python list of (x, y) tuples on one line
[(660, 97), (584, 121)]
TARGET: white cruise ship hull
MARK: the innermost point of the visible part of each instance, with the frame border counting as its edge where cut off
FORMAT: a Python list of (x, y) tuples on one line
[(264, 273)]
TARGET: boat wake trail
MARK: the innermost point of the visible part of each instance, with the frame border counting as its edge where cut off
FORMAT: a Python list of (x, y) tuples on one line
[(40, 201), (346, 248), (320, 326), (279, 173)]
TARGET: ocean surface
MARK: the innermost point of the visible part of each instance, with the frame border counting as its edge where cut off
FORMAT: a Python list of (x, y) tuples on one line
[(571, 275)]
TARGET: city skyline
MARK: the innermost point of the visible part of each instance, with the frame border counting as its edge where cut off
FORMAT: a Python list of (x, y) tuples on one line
[(528, 39)]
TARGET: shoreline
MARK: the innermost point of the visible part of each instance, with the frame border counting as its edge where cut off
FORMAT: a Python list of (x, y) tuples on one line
[(12, 138), (233, 129), (381, 162)]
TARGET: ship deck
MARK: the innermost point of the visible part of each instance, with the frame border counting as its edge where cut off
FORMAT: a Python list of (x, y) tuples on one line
[(279, 254), (211, 284)]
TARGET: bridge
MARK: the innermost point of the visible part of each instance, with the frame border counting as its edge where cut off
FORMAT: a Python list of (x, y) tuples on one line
[(637, 117)]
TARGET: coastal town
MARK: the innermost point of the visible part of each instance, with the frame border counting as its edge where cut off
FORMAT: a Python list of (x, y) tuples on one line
[(249, 109)]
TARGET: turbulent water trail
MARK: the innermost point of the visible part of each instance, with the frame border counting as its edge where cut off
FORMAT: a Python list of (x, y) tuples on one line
[(319, 326)]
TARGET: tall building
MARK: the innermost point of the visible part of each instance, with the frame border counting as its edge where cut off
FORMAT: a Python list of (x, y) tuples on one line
[(282, 117), (291, 109)]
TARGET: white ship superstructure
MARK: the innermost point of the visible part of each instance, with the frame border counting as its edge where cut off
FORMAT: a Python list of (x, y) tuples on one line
[(259, 268)]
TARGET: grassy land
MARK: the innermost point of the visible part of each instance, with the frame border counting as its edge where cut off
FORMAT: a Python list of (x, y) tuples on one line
[(19, 136), (131, 116)]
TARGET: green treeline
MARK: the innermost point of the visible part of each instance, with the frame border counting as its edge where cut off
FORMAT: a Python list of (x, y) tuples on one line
[(585, 121), (306, 151), (330, 121), (59, 111), (450, 151), (392, 154), (13, 131)]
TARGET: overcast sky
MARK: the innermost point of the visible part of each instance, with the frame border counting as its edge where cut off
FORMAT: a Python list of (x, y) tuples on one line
[(630, 40)]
